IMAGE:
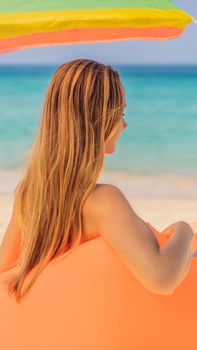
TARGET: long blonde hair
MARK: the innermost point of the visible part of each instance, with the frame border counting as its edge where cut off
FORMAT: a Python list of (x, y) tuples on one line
[(82, 108)]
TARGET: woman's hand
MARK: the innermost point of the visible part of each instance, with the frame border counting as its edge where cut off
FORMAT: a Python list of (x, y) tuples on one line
[(169, 229)]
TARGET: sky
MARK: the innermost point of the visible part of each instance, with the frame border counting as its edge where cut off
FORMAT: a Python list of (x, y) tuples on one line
[(182, 50)]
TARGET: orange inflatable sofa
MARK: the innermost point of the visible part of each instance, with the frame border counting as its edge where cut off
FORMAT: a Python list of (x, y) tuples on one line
[(90, 300)]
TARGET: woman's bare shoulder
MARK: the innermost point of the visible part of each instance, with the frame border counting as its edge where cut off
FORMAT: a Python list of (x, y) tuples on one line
[(105, 194), (91, 207), (103, 189), (101, 192), (102, 196), (104, 202)]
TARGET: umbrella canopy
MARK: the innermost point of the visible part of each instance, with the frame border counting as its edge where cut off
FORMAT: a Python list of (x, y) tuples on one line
[(34, 23)]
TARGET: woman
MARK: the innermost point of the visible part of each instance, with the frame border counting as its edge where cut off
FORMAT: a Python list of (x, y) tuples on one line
[(58, 204)]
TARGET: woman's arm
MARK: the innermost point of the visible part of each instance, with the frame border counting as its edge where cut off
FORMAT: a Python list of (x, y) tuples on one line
[(159, 268)]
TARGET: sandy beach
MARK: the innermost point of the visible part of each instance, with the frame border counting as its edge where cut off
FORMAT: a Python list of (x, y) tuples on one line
[(160, 200)]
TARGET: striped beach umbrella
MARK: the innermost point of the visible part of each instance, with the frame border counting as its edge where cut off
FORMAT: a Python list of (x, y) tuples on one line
[(34, 23)]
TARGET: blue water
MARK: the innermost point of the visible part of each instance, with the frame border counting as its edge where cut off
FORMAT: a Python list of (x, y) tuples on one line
[(161, 114)]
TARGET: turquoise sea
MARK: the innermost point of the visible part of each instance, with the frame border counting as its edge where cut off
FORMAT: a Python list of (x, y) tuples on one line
[(161, 113)]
